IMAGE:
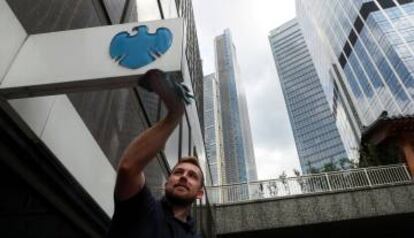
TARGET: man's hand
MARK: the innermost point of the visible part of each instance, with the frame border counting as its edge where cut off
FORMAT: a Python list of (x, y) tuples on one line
[(158, 82)]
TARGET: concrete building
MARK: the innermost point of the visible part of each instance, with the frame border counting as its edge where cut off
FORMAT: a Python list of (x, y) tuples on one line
[(239, 160), (363, 53), (59, 153), (313, 124)]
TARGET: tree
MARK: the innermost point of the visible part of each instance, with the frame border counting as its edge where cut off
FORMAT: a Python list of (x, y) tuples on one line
[(283, 179), (312, 170), (283, 175), (345, 163), (368, 155), (300, 180), (296, 172), (328, 167)]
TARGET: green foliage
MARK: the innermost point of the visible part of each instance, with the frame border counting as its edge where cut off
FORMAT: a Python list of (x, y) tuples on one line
[(368, 155), (341, 164), (312, 169), (328, 167), (283, 175), (382, 154), (296, 172), (345, 163)]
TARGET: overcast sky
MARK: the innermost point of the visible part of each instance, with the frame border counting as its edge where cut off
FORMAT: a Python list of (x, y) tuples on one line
[(250, 22)]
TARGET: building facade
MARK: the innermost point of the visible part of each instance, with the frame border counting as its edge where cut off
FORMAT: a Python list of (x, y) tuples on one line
[(60, 152), (239, 160), (363, 52), (313, 124)]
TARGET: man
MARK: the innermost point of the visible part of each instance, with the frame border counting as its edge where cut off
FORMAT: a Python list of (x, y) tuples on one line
[(137, 213)]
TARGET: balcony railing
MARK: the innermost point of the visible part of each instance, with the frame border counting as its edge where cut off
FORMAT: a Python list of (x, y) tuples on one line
[(315, 183)]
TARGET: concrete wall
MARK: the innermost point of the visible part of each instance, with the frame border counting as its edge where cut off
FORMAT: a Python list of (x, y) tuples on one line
[(314, 209)]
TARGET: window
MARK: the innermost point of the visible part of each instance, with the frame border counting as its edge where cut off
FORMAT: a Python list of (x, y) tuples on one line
[(171, 147), (185, 137)]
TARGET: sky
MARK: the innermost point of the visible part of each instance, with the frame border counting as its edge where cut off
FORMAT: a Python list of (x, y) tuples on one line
[(250, 22)]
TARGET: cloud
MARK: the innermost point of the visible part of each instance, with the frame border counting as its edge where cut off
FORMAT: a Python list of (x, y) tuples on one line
[(268, 115), (273, 162)]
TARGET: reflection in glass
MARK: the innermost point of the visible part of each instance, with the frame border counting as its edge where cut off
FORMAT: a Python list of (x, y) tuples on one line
[(185, 137), (171, 147)]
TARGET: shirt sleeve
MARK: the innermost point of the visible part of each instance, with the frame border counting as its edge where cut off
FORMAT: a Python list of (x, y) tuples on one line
[(140, 204), (128, 213)]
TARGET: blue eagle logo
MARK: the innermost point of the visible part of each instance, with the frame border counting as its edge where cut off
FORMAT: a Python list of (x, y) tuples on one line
[(136, 51)]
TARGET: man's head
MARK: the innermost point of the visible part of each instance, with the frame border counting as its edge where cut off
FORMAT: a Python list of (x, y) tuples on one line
[(186, 182)]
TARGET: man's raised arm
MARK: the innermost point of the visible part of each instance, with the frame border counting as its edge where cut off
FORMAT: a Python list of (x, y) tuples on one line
[(130, 178)]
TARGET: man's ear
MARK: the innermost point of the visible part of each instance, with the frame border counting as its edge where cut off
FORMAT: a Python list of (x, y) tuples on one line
[(200, 193)]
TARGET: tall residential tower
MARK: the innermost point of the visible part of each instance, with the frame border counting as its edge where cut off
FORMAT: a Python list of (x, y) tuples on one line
[(239, 159), (213, 132)]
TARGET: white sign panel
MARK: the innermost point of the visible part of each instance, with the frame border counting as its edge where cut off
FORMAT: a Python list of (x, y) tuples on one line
[(12, 37), (94, 58)]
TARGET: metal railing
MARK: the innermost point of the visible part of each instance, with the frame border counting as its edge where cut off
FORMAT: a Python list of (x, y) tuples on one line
[(315, 183)]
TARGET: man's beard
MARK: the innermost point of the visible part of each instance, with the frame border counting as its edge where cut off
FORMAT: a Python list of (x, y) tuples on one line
[(178, 201)]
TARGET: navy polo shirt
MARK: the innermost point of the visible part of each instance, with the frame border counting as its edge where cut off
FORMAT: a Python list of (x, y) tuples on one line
[(141, 216)]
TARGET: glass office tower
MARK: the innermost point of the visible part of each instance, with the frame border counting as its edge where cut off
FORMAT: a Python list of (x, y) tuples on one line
[(313, 123), (364, 54), (239, 160)]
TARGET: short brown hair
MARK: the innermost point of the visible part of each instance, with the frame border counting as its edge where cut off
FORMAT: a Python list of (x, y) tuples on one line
[(191, 160)]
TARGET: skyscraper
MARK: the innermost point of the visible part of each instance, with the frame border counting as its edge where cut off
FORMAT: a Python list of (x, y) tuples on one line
[(239, 160), (213, 132), (363, 53), (313, 124)]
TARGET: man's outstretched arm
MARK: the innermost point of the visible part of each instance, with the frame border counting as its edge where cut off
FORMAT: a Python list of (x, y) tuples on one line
[(130, 178)]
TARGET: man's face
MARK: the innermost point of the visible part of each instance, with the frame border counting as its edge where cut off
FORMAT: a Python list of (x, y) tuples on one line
[(184, 184)]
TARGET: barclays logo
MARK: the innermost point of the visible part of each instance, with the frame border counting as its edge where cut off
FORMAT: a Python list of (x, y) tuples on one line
[(136, 51)]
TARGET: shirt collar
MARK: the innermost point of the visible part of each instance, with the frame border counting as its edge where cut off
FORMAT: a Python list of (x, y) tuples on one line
[(167, 206)]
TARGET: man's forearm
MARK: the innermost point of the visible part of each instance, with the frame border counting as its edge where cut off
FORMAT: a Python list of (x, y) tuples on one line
[(145, 147), (130, 178)]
